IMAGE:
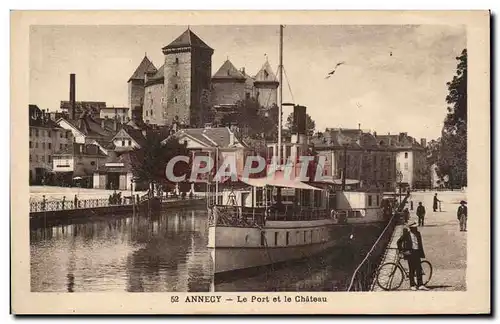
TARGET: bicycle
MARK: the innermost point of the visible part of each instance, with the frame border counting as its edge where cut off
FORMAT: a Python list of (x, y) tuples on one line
[(389, 278)]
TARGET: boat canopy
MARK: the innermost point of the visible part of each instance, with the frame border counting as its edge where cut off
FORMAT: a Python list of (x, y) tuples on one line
[(277, 180), (331, 180)]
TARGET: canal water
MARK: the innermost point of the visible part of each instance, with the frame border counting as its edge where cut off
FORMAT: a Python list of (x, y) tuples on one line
[(163, 253)]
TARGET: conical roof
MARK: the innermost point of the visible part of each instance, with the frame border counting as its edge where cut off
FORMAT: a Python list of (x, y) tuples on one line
[(266, 74), (228, 71), (145, 66), (187, 39)]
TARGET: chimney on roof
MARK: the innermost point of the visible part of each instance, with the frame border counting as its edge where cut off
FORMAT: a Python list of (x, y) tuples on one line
[(359, 125), (72, 95), (115, 124), (375, 134), (423, 142), (243, 70)]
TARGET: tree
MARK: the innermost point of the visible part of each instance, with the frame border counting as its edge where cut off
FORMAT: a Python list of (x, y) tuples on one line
[(310, 124), (452, 160), (149, 162)]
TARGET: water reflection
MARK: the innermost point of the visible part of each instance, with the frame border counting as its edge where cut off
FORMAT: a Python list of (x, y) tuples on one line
[(165, 253), (162, 253)]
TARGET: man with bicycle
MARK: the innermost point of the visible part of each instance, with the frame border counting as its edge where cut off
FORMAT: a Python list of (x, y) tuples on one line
[(410, 245)]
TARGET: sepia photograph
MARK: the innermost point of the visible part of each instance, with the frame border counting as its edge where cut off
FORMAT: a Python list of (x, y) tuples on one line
[(277, 164)]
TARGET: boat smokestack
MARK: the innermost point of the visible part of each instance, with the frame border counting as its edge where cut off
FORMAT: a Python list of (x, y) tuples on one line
[(72, 95), (300, 123)]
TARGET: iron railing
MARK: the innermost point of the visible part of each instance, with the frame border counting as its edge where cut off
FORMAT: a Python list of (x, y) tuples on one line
[(63, 204), (364, 274)]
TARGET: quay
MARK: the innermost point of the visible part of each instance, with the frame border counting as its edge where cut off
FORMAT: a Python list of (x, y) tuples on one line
[(54, 210), (445, 246)]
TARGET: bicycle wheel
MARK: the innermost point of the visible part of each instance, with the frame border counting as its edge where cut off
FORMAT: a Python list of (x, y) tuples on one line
[(390, 276), (426, 271)]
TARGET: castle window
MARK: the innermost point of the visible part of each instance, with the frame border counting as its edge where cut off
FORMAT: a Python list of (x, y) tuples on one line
[(31, 144), (175, 100), (151, 112), (176, 60), (406, 155), (50, 146), (176, 73), (176, 86), (146, 113), (123, 143), (129, 143)]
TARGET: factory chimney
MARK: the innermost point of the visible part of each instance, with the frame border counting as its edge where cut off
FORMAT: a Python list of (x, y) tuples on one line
[(72, 95)]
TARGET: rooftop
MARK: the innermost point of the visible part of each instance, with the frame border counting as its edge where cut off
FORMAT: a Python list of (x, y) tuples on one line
[(146, 66), (211, 137), (187, 39), (228, 71)]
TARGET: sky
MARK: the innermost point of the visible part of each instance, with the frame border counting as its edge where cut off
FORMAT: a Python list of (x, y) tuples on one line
[(402, 92)]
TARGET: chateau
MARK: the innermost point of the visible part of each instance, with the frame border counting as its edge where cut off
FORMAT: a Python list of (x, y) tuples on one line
[(183, 89)]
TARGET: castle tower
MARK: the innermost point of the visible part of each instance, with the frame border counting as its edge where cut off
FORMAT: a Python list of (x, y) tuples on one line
[(228, 85), (266, 86), (136, 85), (187, 75)]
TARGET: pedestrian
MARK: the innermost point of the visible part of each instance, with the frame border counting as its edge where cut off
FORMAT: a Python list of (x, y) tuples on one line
[(435, 203), (462, 216), (406, 215), (420, 214), (410, 244)]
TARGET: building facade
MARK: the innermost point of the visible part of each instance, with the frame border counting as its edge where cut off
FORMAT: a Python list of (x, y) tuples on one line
[(367, 161), (45, 138), (78, 162), (411, 160)]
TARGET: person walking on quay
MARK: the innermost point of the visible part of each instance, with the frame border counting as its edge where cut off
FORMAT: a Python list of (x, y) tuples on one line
[(420, 214), (410, 244), (435, 203), (406, 215), (462, 216)]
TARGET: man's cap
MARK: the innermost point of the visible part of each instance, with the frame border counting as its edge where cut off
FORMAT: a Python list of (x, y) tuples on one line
[(463, 202), (413, 225)]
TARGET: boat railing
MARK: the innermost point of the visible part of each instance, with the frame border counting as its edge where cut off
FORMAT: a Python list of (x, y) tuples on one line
[(298, 214), (364, 274), (237, 216)]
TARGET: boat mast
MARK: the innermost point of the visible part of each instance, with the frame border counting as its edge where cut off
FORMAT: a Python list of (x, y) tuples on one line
[(280, 107)]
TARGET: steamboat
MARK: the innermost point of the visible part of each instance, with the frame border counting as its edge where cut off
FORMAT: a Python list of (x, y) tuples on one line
[(262, 221)]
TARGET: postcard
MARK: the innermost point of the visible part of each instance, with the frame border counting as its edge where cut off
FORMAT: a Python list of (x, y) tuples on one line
[(246, 162)]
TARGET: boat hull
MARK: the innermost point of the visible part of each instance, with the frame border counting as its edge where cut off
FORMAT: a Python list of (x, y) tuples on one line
[(236, 249)]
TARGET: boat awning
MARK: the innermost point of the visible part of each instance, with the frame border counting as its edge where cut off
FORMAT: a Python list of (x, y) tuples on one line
[(277, 181), (330, 180)]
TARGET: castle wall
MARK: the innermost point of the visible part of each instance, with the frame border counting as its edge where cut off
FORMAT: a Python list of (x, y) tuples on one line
[(153, 107), (135, 94), (228, 92), (201, 81), (267, 94), (187, 75), (178, 86)]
